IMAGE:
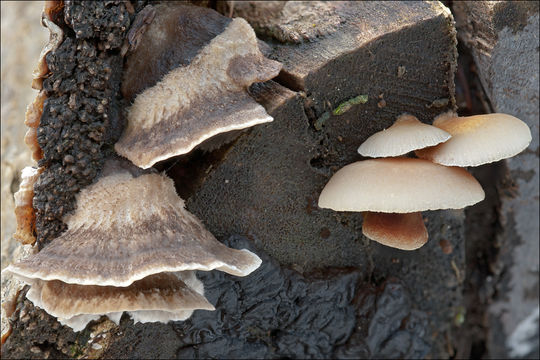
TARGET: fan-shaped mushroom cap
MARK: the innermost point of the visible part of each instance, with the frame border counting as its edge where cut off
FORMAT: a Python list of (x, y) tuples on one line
[(405, 135), (195, 102), (126, 228), (401, 231), (160, 297), (399, 185), (478, 139)]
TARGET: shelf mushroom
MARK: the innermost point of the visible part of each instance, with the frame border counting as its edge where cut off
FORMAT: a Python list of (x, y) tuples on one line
[(24, 210), (202, 99), (478, 139), (399, 186), (160, 297), (129, 227)]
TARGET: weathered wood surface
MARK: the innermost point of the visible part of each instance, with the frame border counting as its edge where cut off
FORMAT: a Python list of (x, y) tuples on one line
[(503, 39), (268, 183), (265, 184)]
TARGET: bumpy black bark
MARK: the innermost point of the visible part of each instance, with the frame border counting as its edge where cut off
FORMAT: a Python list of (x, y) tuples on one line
[(277, 312), (81, 115)]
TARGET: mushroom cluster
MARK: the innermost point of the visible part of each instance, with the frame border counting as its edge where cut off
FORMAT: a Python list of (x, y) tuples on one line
[(394, 190), (131, 245)]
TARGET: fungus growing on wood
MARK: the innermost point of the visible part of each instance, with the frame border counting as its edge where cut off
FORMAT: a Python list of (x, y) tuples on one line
[(126, 228), (32, 119), (392, 192), (195, 102), (160, 297), (24, 210), (400, 185), (478, 139), (405, 135), (130, 246), (56, 36)]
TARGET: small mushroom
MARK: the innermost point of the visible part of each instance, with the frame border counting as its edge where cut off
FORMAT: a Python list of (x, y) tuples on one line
[(195, 102), (24, 210), (401, 231), (400, 185), (126, 228), (478, 139), (160, 297), (392, 191), (405, 135)]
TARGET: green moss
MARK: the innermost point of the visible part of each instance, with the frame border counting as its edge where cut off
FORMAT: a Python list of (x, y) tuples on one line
[(347, 105)]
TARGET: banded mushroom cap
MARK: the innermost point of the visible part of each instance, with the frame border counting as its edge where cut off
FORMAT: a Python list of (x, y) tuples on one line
[(157, 298), (478, 139), (399, 185), (405, 135), (192, 103), (126, 228), (400, 231)]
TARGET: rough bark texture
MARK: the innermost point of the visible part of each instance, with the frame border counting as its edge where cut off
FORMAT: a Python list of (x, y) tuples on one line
[(81, 114), (264, 187), (503, 39)]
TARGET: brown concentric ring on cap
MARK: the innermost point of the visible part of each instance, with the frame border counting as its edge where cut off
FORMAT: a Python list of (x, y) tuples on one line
[(126, 228), (195, 102)]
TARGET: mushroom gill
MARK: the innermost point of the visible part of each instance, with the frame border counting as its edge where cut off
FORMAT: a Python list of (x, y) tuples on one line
[(195, 102)]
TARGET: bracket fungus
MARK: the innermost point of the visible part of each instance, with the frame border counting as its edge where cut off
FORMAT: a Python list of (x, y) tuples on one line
[(24, 210), (160, 297), (194, 102), (399, 186), (405, 135), (129, 232), (478, 139)]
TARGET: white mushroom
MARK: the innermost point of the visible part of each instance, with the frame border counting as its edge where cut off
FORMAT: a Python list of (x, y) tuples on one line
[(405, 135)]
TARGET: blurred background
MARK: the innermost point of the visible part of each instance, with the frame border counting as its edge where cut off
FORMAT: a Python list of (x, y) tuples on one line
[(23, 37)]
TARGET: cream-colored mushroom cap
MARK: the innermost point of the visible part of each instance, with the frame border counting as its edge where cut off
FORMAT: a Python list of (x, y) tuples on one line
[(126, 228), (405, 135), (400, 185), (400, 231), (478, 139)]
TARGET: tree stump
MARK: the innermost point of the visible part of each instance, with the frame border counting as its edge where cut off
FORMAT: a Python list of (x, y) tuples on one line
[(261, 191)]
